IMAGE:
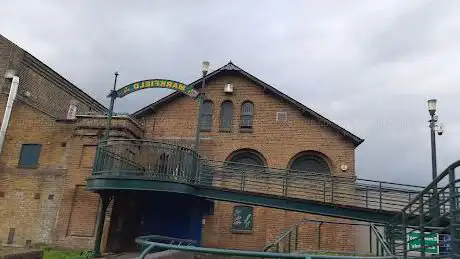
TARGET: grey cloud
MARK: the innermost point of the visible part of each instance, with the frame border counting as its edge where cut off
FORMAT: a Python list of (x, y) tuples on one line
[(367, 65)]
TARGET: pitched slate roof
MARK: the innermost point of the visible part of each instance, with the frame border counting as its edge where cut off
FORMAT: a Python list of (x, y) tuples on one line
[(267, 88)]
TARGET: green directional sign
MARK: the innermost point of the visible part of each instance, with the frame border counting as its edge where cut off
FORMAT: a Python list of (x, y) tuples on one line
[(431, 242)]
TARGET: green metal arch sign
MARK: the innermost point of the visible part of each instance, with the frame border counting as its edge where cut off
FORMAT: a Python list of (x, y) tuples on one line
[(156, 83)]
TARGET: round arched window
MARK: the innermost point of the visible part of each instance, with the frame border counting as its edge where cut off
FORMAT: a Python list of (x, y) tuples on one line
[(310, 163), (247, 159)]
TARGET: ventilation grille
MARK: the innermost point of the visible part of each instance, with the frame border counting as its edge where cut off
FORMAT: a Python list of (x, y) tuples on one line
[(281, 116)]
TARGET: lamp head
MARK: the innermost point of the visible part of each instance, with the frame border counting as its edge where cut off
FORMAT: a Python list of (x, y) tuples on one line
[(205, 67), (432, 106)]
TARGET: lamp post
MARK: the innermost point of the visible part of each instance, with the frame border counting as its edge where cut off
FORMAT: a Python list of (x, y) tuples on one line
[(204, 70), (433, 128), (432, 121)]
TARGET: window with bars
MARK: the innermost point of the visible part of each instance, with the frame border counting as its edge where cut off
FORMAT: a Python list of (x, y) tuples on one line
[(206, 116), (247, 114), (226, 115)]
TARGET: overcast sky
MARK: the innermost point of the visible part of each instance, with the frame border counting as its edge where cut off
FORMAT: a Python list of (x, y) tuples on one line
[(370, 66)]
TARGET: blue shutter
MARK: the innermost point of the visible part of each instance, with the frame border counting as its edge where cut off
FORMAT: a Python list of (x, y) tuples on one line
[(30, 154)]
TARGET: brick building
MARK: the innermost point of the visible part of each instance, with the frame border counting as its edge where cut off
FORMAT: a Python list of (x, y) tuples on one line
[(49, 152)]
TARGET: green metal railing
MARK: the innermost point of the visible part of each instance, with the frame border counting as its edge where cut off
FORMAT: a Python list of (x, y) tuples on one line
[(435, 209), (151, 242), (145, 159), (297, 239), (377, 195)]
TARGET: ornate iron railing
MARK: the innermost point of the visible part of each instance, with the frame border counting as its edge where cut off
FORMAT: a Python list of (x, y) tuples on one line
[(435, 209), (166, 162)]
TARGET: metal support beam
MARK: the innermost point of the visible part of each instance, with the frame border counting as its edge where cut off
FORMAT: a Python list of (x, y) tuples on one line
[(434, 171), (113, 96), (104, 200)]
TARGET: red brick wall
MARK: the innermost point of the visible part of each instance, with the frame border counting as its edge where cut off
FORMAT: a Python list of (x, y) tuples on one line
[(279, 142), (33, 197), (32, 216)]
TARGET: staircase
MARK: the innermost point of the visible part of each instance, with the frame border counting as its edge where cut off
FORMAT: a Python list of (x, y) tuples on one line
[(435, 211), (298, 239)]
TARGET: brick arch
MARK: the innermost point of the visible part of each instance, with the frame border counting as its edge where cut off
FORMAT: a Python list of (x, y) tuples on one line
[(249, 151), (313, 153)]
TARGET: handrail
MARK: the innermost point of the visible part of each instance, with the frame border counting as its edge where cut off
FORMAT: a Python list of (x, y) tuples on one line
[(232, 252), (293, 230), (438, 201), (381, 240), (433, 183), (314, 173), (108, 142)]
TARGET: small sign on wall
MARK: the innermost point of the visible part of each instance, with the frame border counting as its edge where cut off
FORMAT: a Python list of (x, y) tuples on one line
[(243, 219)]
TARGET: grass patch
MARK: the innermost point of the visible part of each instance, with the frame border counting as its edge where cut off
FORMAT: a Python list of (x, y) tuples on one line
[(61, 254)]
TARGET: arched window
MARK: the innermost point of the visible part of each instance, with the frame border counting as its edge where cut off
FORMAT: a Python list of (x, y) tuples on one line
[(248, 169), (206, 116), (247, 114), (310, 163), (246, 157), (226, 115)]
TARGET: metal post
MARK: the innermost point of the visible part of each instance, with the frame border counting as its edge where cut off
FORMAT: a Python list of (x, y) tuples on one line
[(367, 199), (332, 191), (289, 243), (433, 146), (296, 237), (422, 228), (104, 200), (370, 239), (435, 211), (380, 195), (454, 243), (113, 96), (198, 117), (404, 233), (324, 190), (319, 235)]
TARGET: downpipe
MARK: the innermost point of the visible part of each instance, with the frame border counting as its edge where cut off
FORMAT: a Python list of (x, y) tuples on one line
[(8, 110)]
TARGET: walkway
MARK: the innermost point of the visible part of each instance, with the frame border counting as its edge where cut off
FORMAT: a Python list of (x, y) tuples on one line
[(149, 165)]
